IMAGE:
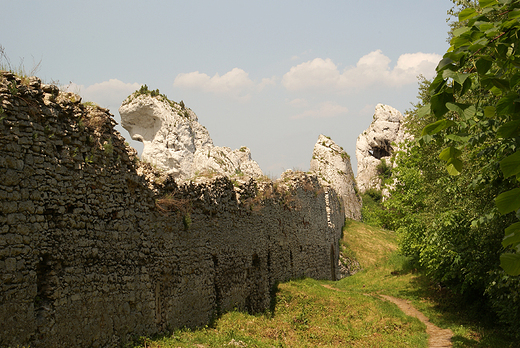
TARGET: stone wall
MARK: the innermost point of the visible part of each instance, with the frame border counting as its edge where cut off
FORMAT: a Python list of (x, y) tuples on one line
[(96, 247)]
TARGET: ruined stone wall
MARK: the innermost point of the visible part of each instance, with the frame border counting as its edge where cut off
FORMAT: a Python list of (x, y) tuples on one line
[(96, 248)]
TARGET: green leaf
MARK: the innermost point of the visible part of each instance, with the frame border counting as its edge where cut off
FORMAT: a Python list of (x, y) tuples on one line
[(438, 103), (483, 65), (506, 104), (424, 111), (492, 33), (512, 235), (499, 83), (444, 63), (425, 139), (489, 112), (449, 153), (437, 126), (460, 31), (454, 166), (509, 130), (511, 165), (510, 263), (509, 24), (457, 77), (456, 107), (470, 112), (515, 79), (466, 86), (464, 110), (496, 91), (458, 138), (486, 26), (467, 13), (508, 201), (483, 42), (487, 3), (513, 14)]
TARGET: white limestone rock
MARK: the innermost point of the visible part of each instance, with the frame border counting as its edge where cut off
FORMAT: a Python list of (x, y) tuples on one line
[(331, 164), (376, 143), (174, 140)]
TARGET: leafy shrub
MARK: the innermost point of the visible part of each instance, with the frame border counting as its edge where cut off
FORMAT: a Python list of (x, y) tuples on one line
[(372, 210), (384, 170)]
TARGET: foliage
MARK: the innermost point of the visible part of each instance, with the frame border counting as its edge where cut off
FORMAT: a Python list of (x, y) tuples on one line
[(145, 91), (475, 101), (468, 116), (384, 170), (108, 146), (372, 210)]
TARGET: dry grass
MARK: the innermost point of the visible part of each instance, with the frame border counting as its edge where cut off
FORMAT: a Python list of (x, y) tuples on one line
[(372, 245), (169, 204)]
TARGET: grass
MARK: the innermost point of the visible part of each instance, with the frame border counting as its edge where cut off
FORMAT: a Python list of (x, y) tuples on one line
[(20, 70), (387, 272)]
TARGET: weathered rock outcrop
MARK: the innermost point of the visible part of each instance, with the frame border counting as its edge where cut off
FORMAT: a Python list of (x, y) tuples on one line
[(377, 143), (331, 164), (174, 140), (97, 247)]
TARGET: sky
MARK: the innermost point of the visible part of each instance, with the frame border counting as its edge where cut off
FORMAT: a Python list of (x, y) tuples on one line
[(269, 75)]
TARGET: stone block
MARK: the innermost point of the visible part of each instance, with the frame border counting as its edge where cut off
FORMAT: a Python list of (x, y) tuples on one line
[(10, 264), (10, 177)]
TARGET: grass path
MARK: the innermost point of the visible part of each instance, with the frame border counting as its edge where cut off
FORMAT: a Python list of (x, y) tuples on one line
[(437, 337), (311, 313)]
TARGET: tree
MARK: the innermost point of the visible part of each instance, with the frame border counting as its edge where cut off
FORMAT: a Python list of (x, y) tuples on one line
[(475, 99)]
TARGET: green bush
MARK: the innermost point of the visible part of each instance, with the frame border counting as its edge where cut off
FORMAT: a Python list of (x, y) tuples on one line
[(373, 213)]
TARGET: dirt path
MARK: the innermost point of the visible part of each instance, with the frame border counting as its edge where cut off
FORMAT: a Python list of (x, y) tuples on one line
[(437, 337)]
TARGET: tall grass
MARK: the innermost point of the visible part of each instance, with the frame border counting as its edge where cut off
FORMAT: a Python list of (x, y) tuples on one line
[(19, 70)]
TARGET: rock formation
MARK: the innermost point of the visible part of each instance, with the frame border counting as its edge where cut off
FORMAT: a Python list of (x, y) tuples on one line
[(332, 166), (377, 143), (174, 140)]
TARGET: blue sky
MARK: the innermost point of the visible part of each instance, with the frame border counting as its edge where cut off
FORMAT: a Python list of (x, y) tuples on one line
[(270, 75)]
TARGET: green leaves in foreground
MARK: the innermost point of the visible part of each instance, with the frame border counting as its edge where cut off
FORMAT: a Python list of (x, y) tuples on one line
[(510, 263), (436, 127), (508, 201), (453, 164), (512, 235), (511, 165), (481, 66)]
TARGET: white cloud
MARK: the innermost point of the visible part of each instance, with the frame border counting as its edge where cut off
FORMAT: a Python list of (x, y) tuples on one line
[(371, 69), (235, 83), (298, 103), (315, 73), (109, 94), (272, 81), (326, 110), (414, 64)]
